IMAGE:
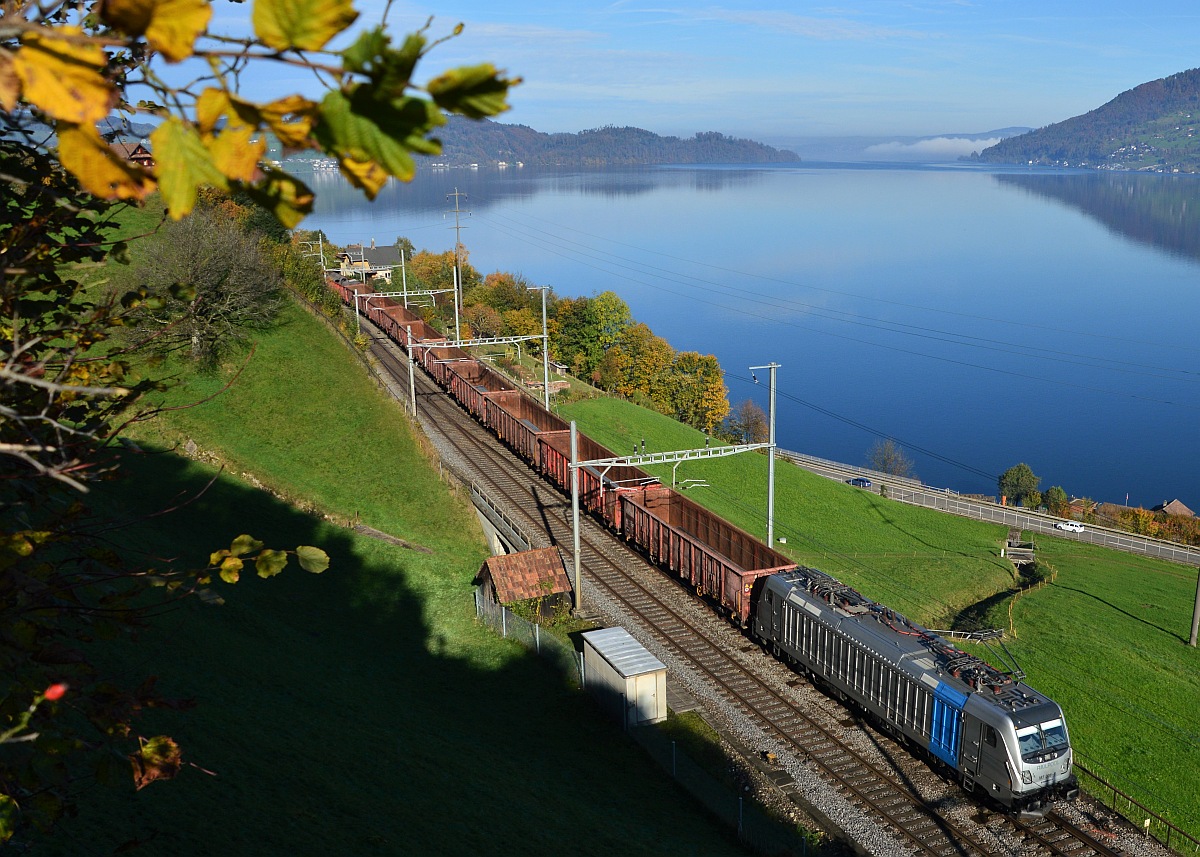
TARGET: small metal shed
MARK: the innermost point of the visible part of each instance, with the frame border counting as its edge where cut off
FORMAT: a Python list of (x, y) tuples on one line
[(629, 682)]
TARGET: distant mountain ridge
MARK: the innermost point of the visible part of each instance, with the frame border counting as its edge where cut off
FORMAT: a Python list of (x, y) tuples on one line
[(485, 142), (1154, 127)]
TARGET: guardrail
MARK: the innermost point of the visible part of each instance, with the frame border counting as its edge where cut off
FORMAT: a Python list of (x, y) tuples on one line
[(1015, 516), (916, 493)]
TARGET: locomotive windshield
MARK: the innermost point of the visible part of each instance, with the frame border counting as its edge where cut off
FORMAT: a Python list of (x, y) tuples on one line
[(1045, 739)]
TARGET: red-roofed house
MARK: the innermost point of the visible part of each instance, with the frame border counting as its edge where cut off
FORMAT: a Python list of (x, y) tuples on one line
[(135, 153), (1174, 507)]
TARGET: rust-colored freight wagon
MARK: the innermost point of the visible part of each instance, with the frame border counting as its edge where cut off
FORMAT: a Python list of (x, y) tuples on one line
[(718, 559), (518, 420), (599, 488), (471, 381), (394, 318), (437, 360)]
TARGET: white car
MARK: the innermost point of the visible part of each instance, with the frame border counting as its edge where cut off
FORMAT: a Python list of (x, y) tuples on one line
[(1069, 526)]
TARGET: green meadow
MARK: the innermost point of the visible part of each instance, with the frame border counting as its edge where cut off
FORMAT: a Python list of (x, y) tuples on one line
[(1106, 637), (364, 710)]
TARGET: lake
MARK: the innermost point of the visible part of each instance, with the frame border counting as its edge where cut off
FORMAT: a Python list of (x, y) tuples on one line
[(979, 316)]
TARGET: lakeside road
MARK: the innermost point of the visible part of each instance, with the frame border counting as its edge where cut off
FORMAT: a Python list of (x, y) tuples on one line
[(945, 500)]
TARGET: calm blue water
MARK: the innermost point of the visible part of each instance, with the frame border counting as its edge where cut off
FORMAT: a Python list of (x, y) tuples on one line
[(981, 317)]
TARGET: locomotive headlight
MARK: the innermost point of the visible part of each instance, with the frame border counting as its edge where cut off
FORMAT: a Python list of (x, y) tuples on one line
[(1063, 769), (1027, 777)]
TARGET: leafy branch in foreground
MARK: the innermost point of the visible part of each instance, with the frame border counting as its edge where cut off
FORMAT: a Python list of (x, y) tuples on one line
[(371, 118)]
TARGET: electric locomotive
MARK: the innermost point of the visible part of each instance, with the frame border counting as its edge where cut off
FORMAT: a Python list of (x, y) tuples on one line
[(998, 735)]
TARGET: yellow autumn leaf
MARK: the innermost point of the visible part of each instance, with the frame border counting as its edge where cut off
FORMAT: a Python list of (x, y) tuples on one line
[(307, 25), (184, 165), (10, 86), (368, 176), (131, 17), (170, 26), (100, 170), (210, 107), (175, 26), (64, 79), (286, 197), (291, 119), (235, 153)]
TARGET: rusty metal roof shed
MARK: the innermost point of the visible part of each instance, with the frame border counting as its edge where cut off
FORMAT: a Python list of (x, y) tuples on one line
[(527, 574)]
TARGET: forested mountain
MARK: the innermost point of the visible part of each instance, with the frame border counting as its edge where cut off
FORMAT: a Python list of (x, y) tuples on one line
[(469, 142), (1154, 127)]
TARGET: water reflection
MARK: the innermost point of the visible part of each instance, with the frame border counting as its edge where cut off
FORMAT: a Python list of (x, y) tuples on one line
[(494, 188), (1161, 211)]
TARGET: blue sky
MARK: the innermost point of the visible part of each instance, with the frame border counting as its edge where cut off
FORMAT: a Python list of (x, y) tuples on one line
[(770, 69)]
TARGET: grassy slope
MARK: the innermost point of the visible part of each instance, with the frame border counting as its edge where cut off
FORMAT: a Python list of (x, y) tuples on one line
[(364, 710), (1105, 639), (871, 543)]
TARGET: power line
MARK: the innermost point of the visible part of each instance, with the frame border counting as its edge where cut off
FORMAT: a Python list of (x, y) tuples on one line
[(775, 319)]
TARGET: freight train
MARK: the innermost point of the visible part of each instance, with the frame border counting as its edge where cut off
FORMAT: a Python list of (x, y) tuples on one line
[(996, 735)]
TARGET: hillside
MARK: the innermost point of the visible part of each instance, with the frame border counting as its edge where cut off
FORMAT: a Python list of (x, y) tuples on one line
[(468, 142), (1152, 127)]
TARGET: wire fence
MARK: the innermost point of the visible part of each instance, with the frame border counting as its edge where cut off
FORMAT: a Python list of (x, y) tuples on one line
[(727, 798), (1154, 825), (530, 635)]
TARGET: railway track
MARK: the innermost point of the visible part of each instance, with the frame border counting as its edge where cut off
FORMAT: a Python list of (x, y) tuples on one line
[(736, 672)]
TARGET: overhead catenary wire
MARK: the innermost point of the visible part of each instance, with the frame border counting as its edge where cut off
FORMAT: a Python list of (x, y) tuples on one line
[(842, 293), (888, 325)]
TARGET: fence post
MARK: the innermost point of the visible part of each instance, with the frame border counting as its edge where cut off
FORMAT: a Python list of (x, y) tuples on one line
[(537, 638), (504, 621)]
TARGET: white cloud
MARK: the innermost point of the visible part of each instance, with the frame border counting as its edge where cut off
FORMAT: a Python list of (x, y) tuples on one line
[(935, 147)]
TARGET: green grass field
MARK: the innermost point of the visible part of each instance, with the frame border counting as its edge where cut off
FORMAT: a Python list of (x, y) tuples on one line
[(362, 711), (1106, 638)]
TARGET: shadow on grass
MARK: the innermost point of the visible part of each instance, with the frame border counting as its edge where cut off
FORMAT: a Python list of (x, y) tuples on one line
[(875, 506), (350, 713), (1122, 611)]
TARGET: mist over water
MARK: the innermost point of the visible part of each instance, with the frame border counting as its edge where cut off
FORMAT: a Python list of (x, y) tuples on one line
[(980, 316)]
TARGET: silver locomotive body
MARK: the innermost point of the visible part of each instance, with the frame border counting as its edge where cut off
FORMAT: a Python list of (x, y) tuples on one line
[(998, 735)]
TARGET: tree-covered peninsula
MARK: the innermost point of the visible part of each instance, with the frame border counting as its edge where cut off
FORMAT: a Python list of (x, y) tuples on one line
[(488, 142)]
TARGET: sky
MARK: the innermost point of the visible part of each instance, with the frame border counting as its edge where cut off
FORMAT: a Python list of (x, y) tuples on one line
[(772, 70), (765, 68)]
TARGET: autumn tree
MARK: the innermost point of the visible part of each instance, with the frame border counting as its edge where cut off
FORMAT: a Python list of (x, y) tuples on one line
[(747, 423), (695, 391), (505, 292), (613, 370), (1056, 500), (612, 317), (886, 456), (484, 320), (574, 335), (1019, 483), (206, 284), (522, 322), (648, 360), (66, 390)]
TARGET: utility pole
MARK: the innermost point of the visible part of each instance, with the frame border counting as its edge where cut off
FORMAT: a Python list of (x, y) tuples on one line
[(770, 454), (575, 511), (403, 278), (412, 382), (458, 227), (545, 348), (1195, 615)]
